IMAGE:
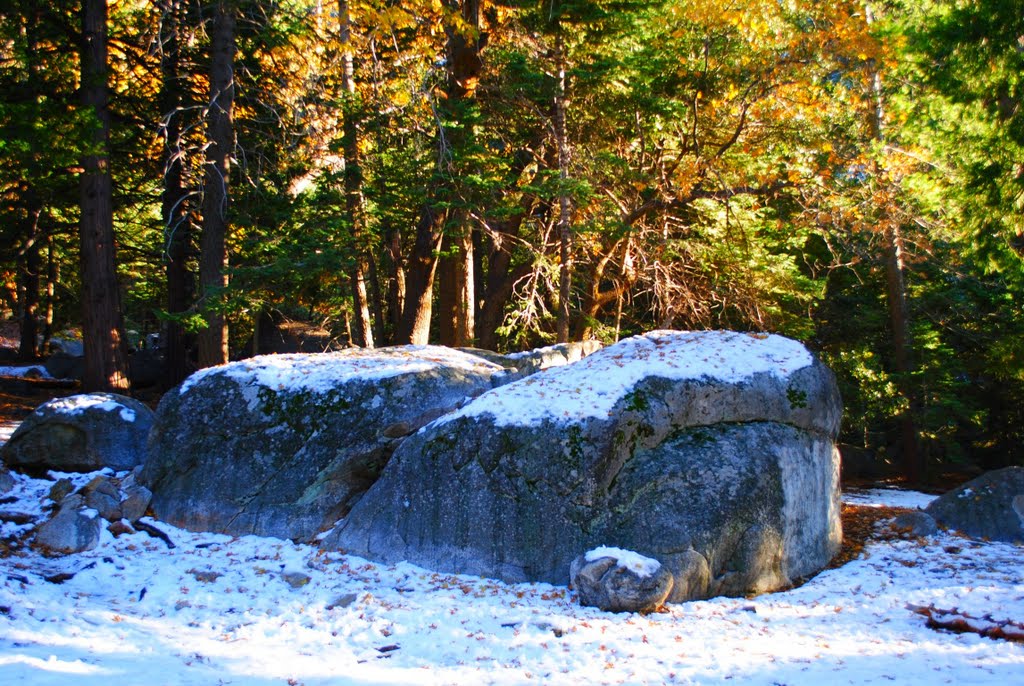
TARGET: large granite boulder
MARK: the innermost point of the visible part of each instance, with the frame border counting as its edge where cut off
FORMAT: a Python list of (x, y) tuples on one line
[(81, 433), (284, 445), (711, 452), (991, 506)]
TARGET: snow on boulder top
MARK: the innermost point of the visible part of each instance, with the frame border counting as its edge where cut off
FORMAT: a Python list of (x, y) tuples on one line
[(76, 404), (635, 562), (592, 386), (320, 372)]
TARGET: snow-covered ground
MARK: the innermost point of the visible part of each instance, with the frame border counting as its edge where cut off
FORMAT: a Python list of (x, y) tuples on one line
[(253, 611), (217, 610)]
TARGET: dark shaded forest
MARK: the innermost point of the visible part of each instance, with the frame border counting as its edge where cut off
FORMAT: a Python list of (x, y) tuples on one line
[(507, 175)]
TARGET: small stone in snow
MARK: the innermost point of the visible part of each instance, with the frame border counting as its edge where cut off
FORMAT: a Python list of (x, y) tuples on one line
[(205, 576), (342, 601), (295, 579)]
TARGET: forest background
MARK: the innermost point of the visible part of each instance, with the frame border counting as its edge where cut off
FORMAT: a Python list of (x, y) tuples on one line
[(510, 174)]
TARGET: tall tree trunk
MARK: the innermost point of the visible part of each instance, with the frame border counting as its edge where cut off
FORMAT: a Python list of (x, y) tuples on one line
[(463, 62), (354, 182), (896, 297), (174, 207), (456, 283), (52, 274), (106, 354), (447, 293), (417, 306), (465, 289), (564, 201), (213, 256), (31, 258), (31, 263), (899, 321), (376, 299), (396, 282)]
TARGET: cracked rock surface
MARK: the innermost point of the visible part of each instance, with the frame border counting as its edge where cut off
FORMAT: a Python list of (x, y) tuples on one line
[(730, 481), (284, 445)]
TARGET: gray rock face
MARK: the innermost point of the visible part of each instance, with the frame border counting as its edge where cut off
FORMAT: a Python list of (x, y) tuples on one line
[(81, 433), (72, 530), (62, 365), (135, 501), (284, 445), (6, 482), (102, 495), (916, 523), (533, 361), (991, 506), (608, 584), (711, 452)]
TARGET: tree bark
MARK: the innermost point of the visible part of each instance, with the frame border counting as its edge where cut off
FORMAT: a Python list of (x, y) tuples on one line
[(28, 347), (213, 256), (396, 282), (899, 321), (414, 326), (106, 358), (31, 258), (465, 290), (464, 65), (456, 286), (174, 208), (353, 179), (52, 274)]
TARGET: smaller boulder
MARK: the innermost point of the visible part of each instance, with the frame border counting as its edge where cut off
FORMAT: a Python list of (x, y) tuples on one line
[(558, 355), (62, 365), (990, 507), (691, 576), (61, 489), (146, 367), (136, 502), (6, 482), (81, 433), (615, 580), (71, 530), (102, 495), (916, 523), (135, 497)]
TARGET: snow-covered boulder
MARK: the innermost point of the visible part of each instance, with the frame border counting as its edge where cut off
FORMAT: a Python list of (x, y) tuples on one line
[(616, 580), (81, 433), (284, 445), (991, 506), (711, 452)]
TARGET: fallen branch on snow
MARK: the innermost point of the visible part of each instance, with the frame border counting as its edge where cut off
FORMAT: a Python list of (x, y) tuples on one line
[(153, 531), (960, 622)]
